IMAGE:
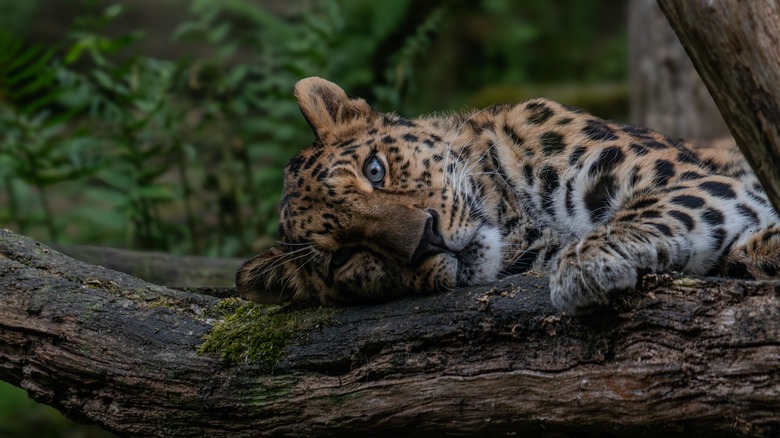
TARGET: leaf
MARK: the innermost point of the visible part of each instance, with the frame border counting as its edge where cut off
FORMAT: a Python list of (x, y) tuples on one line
[(117, 179), (113, 11), (218, 33), (103, 78), (155, 193), (38, 54)]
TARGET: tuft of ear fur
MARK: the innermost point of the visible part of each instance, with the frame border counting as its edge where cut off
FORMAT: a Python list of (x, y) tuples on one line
[(266, 278), (326, 106)]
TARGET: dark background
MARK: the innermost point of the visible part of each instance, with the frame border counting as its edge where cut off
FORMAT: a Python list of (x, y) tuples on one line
[(164, 124)]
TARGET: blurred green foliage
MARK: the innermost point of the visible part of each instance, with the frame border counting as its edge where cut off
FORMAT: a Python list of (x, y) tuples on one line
[(101, 143), (23, 418)]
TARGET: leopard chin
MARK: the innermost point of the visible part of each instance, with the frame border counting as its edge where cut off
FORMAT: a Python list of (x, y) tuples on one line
[(480, 259)]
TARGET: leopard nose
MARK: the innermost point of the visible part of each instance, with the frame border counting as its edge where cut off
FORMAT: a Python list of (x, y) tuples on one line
[(432, 242)]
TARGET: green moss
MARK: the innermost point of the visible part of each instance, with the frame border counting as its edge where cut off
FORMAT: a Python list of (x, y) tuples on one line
[(255, 333), (160, 302)]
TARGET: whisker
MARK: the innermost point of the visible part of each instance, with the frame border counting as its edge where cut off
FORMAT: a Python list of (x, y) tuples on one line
[(457, 179), (468, 168), (280, 261), (517, 244), (292, 275), (293, 252), (454, 170), (455, 137), (280, 257), (293, 244)]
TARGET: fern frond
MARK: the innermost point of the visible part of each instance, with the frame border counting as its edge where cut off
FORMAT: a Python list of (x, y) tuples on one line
[(26, 74)]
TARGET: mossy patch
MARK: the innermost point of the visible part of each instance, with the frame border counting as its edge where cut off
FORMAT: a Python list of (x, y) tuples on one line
[(160, 302), (255, 333)]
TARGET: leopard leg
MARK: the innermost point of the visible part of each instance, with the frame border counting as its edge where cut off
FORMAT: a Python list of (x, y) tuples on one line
[(757, 258), (611, 258)]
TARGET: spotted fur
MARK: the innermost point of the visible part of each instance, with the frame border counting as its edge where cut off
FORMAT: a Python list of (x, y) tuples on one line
[(466, 199)]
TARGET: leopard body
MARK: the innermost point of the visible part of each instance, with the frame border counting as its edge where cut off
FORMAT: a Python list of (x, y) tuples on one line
[(468, 198)]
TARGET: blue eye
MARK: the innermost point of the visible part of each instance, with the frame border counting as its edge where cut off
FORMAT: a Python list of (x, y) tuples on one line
[(374, 170)]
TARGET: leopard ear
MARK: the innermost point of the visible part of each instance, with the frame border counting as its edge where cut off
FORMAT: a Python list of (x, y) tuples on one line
[(326, 106), (266, 278)]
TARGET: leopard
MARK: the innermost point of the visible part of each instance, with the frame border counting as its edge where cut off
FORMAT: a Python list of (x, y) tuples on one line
[(381, 206)]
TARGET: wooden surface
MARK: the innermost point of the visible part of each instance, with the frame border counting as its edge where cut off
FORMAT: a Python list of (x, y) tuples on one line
[(735, 47), (692, 357)]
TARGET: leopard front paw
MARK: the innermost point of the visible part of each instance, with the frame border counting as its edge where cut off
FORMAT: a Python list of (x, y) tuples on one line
[(586, 276)]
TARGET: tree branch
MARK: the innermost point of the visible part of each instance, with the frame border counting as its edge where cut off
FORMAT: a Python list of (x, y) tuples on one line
[(735, 47), (692, 356)]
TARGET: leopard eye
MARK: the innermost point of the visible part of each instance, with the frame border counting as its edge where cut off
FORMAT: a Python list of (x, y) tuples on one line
[(340, 257), (374, 170)]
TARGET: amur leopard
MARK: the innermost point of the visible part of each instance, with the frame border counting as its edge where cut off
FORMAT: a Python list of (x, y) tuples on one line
[(381, 205)]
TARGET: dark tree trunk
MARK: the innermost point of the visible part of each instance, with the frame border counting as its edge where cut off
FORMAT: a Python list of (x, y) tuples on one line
[(735, 47), (693, 357), (666, 92)]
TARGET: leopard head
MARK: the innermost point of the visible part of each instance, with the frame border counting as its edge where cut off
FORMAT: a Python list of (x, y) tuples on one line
[(378, 206)]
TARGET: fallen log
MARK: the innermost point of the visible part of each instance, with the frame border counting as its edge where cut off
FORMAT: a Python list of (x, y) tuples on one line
[(688, 356)]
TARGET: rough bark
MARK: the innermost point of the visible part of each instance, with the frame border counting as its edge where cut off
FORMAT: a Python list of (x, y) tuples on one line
[(694, 357), (735, 47), (666, 92)]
